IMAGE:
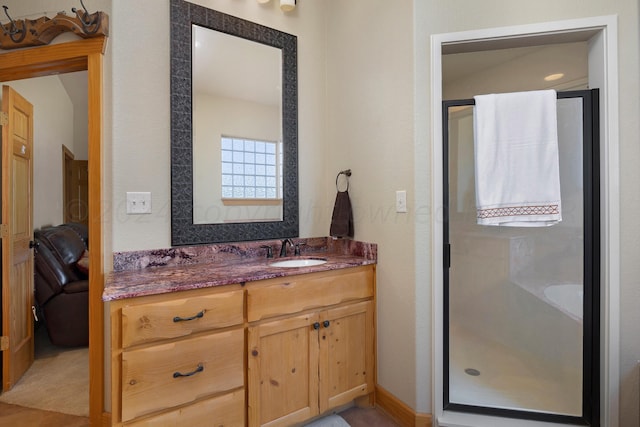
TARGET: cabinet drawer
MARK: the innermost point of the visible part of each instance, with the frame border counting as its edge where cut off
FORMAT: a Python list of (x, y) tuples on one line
[(297, 293), (167, 375), (180, 317), (226, 410)]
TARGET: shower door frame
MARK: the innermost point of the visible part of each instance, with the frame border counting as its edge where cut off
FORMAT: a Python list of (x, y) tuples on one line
[(591, 270)]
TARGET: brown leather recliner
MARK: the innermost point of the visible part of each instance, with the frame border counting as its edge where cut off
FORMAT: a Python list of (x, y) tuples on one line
[(61, 283)]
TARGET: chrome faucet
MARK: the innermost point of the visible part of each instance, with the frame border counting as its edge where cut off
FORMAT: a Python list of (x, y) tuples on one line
[(283, 249)]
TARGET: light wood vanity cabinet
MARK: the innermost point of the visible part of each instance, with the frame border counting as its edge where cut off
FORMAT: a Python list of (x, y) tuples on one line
[(181, 358), (302, 365)]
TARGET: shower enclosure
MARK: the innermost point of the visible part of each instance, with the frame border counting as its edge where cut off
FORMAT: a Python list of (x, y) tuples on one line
[(521, 305)]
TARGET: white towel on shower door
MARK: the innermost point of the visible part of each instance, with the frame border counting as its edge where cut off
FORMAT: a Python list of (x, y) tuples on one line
[(516, 159)]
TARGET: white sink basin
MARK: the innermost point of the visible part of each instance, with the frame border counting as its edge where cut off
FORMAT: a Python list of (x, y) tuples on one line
[(302, 262)]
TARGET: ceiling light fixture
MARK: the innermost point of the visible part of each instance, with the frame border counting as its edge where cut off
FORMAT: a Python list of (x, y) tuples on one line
[(264, 1), (552, 77), (287, 5)]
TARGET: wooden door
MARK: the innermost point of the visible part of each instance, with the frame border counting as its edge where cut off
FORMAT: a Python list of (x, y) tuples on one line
[(75, 188), (80, 192), (346, 354), (17, 232), (283, 371)]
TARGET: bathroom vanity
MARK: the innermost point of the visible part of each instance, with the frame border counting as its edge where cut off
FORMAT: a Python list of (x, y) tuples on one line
[(239, 341)]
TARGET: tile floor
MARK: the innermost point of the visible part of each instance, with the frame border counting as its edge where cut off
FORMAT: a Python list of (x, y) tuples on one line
[(367, 417)]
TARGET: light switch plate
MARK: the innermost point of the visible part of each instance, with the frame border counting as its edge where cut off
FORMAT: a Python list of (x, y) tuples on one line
[(138, 203), (401, 201)]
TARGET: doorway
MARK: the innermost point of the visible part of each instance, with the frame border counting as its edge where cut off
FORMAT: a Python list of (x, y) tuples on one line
[(600, 34), (62, 58), (58, 102)]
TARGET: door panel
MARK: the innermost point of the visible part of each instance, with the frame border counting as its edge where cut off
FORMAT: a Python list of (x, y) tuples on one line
[(17, 257), (282, 371), (346, 354), (76, 191)]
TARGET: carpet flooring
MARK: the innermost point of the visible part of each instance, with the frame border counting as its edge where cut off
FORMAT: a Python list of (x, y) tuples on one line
[(57, 381)]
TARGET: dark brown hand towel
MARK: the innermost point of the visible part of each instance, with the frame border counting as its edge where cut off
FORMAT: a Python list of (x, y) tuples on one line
[(342, 218)]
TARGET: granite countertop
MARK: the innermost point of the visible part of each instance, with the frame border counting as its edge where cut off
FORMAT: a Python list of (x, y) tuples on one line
[(134, 278)]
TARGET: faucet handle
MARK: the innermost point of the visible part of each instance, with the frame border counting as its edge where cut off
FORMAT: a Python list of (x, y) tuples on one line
[(269, 250), (296, 248)]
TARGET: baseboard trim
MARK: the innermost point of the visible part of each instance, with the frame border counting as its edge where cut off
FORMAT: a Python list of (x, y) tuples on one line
[(399, 411)]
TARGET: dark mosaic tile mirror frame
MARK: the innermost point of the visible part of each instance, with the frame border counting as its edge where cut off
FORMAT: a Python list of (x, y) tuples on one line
[(183, 230)]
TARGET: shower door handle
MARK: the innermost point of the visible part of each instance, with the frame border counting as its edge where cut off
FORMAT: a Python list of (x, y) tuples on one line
[(447, 255)]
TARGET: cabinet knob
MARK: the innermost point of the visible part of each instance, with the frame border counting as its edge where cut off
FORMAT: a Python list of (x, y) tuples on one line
[(325, 323), (316, 325)]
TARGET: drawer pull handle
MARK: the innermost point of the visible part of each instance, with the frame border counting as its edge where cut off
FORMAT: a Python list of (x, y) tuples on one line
[(184, 319), (316, 325), (200, 368), (326, 323)]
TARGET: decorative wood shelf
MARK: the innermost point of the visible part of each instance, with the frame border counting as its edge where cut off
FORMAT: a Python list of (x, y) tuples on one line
[(37, 32)]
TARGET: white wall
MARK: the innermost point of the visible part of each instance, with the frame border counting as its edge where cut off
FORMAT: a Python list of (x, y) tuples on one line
[(52, 127), (76, 85), (370, 130)]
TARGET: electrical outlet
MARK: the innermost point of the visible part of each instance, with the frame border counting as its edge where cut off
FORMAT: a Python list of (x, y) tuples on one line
[(401, 201), (138, 203)]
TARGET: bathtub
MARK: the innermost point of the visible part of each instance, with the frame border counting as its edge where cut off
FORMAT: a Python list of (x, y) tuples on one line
[(568, 297)]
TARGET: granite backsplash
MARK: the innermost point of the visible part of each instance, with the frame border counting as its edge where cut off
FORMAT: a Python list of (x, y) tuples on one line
[(226, 252)]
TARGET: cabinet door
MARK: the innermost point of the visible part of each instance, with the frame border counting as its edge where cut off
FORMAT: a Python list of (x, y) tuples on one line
[(283, 371), (346, 359)]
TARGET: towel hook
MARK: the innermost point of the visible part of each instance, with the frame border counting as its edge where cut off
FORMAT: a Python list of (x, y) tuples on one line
[(347, 173), (22, 33), (87, 19), (84, 15)]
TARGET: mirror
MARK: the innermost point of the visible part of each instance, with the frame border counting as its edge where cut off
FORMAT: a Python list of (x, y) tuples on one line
[(237, 125), (234, 168)]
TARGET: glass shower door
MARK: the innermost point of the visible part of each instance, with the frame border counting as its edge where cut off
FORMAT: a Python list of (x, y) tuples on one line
[(521, 303)]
